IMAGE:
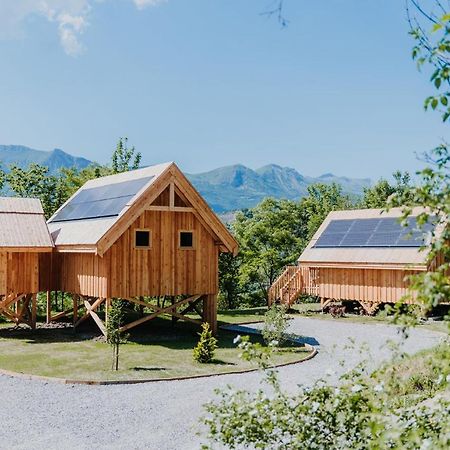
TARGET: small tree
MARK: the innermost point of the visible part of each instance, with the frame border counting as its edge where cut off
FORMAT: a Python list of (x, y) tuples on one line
[(113, 334), (204, 350), (275, 325), (123, 158)]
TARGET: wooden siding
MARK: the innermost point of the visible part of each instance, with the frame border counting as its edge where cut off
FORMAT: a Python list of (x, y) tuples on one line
[(164, 269), (126, 272), (80, 273), (19, 273), (371, 285)]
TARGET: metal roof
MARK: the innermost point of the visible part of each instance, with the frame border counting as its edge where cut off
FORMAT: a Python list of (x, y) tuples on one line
[(364, 257), (22, 224)]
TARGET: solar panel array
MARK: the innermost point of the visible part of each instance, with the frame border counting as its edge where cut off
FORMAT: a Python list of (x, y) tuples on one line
[(386, 232), (102, 201)]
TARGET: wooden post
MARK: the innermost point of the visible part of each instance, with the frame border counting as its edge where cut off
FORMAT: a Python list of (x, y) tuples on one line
[(33, 311), (210, 311), (75, 308), (49, 307), (107, 306), (174, 319)]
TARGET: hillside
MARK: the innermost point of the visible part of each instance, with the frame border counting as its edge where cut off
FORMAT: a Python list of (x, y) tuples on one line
[(237, 187), (226, 188), (23, 156)]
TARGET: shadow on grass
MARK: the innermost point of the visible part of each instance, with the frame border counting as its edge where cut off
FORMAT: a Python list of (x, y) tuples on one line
[(148, 369)]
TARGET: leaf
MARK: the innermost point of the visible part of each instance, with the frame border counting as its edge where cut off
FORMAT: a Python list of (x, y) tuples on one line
[(436, 26)]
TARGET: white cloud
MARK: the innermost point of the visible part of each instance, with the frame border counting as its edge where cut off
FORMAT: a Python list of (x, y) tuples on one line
[(141, 4), (70, 17)]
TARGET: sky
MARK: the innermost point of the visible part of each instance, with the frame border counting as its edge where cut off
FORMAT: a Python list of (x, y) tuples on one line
[(208, 83)]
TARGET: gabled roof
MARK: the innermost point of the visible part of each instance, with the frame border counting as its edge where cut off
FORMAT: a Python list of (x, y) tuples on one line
[(22, 225), (99, 212), (366, 257)]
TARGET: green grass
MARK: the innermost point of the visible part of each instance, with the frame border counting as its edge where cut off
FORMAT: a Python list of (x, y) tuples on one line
[(154, 351), (415, 378)]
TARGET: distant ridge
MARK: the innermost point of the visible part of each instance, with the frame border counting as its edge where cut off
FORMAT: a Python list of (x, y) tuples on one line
[(54, 160), (238, 187), (228, 188)]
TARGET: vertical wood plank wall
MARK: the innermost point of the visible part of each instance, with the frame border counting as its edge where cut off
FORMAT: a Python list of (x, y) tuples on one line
[(164, 269), (19, 273), (372, 285)]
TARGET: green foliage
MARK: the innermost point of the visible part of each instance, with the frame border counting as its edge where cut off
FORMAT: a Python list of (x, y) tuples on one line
[(2, 178), (269, 236), (207, 345), (124, 158), (114, 336), (275, 325), (321, 199), (432, 287), (378, 195), (356, 415), (432, 50), (229, 286), (35, 182)]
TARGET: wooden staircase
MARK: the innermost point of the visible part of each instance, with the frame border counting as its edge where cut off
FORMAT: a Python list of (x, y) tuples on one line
[(288, 287)]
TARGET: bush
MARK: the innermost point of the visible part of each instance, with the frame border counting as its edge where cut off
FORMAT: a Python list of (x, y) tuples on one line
[(204, 350), (275, 325)]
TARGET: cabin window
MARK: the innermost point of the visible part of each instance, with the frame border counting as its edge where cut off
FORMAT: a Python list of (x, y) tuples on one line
[(142, 239), (186, 239)]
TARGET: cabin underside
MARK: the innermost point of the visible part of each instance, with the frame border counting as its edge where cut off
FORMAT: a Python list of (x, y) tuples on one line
[(19, 285), (368, 286)]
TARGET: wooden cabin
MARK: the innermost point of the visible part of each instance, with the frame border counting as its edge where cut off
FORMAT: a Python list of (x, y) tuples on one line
[(139, 234), (358, 255), (24, 238)]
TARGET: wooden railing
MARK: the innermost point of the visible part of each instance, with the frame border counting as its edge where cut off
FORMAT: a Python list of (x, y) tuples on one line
[(287, 287)]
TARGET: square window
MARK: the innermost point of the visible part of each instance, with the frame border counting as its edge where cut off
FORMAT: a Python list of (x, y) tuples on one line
[(186, 239), (142, 239)]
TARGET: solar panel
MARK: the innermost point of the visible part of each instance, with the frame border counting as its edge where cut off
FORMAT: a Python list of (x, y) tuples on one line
[(386, 232), (102, 201)]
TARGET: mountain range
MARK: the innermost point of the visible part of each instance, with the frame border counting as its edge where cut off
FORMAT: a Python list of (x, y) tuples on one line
[(226, 188)]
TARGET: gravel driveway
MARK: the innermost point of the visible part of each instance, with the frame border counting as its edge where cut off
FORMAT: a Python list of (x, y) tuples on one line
[(165, 415)]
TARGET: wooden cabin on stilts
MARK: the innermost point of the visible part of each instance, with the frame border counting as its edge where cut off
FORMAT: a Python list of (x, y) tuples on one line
[(24, 239), (135, 235), (358, 255)]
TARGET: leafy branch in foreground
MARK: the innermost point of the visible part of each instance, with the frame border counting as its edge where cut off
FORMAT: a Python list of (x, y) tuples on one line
[(357, 414)]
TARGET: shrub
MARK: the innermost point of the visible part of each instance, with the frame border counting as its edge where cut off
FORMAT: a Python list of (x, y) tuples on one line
[(204, 350), (275, 325)]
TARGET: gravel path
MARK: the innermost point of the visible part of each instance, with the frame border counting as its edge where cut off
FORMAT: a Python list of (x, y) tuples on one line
[(165, 415)]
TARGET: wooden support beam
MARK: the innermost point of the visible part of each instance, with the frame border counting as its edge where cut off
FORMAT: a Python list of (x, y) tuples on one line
[(171, 194), (369, 307), (94, 306), (75, 308), (94, 315), (192, 307), (210, 311), (159, 311), (33, 311), (49, 307)]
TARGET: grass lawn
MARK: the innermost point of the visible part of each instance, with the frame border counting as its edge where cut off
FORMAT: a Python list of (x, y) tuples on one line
[(155, 350)]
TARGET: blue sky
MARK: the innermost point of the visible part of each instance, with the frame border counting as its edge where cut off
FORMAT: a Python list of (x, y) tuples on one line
[(212, 82)]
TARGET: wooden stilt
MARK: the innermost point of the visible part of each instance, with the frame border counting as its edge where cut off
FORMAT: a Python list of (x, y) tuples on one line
[(107, 307), (33, 311), (49, 307), (174, 319), (210, 311), (75, 308)]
